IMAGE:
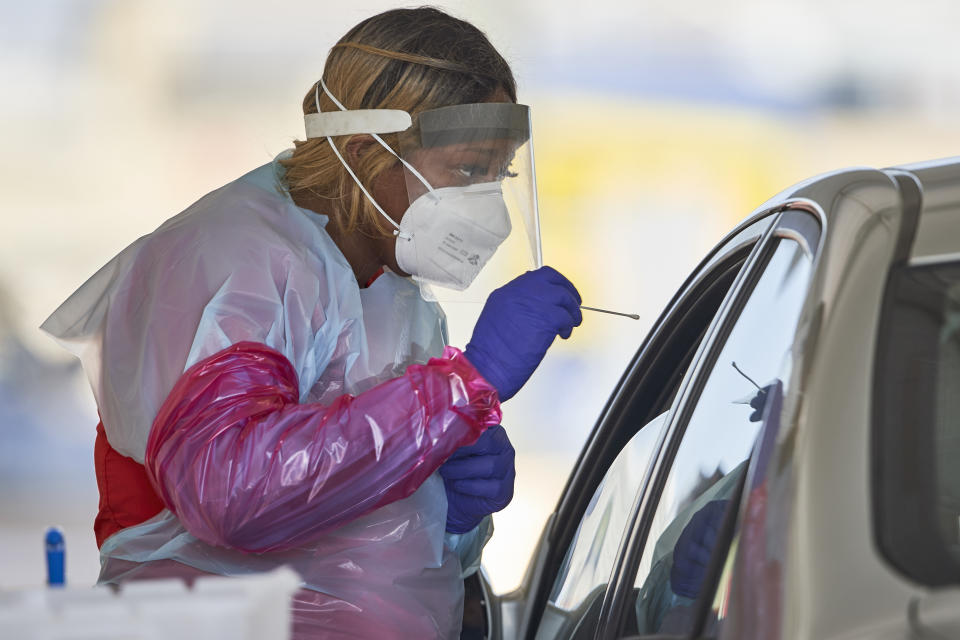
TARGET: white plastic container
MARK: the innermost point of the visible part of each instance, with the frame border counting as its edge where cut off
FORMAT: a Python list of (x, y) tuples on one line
[(244, 608)]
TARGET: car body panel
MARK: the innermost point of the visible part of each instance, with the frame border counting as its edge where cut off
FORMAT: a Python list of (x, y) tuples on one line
[(827, 579), (821, 456), (835, 583), (830, 558)]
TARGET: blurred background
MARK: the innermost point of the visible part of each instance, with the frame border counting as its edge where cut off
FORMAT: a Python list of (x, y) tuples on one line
[(657, 126)]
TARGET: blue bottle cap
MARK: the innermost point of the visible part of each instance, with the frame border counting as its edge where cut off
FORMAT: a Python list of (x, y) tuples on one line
[(56, 552)]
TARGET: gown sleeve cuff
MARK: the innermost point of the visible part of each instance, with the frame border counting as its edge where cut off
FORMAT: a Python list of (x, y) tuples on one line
[(479, 402)]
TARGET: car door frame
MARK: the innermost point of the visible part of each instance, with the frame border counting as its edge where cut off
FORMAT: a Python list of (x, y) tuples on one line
[(798, 219), (519, 613)]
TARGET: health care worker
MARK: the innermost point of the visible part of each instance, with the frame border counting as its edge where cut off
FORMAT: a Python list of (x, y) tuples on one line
[(274, 386)]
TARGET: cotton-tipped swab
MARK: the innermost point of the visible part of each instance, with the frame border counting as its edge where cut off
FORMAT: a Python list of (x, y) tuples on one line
[(613, 313)]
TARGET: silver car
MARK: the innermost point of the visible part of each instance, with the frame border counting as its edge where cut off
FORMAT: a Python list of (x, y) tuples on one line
[(781, 459)]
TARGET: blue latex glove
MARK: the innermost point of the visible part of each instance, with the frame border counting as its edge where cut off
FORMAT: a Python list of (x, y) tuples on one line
[(518, 324), (478, 480), (691, 555)]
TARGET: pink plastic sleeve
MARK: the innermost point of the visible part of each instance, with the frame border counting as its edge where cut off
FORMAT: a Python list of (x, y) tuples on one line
[(243, 465)]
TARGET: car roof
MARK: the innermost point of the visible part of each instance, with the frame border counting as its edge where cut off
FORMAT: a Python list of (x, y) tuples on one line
[(840, 193)]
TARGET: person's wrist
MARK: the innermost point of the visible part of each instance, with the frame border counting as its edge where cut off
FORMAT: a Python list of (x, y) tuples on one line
[(481, 363), (458, 528)]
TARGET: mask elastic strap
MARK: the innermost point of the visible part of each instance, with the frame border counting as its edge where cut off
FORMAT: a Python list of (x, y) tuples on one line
[(316, 97), (376, 137)]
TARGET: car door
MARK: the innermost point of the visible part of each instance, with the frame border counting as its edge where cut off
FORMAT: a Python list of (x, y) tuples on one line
[(566, 579), (673, 567)]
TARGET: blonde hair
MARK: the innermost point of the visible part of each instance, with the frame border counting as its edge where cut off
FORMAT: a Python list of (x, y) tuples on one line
[(410, 59)]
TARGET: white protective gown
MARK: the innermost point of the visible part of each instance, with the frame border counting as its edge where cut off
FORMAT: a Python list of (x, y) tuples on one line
[(247, 264)]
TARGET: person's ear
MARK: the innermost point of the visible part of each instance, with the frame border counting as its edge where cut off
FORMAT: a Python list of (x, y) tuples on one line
[(356, 147)]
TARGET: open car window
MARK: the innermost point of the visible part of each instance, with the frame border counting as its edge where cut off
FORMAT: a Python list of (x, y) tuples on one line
[(749, 369), (602, 493), (593, 552)]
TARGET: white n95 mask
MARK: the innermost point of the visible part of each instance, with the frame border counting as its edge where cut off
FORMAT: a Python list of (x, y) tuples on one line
[(447, 235)]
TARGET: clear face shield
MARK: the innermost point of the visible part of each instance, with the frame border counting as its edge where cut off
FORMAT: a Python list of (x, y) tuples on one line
[(473, 205), (472, 224)]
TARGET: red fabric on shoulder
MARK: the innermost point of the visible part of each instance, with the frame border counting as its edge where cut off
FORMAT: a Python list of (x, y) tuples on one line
[(374, 277), (126, 495)]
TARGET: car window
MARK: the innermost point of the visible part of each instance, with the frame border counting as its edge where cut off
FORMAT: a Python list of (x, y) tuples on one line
[(917, 478), (590, 557), (752, 366), (600, 501)]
